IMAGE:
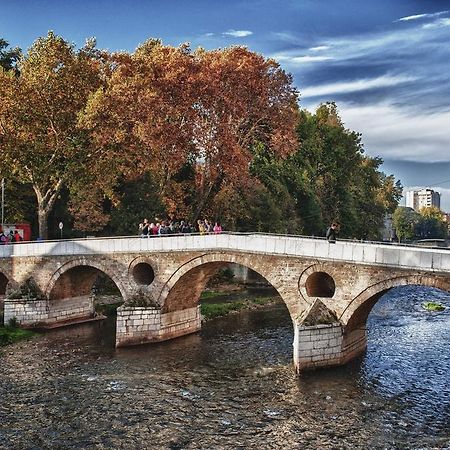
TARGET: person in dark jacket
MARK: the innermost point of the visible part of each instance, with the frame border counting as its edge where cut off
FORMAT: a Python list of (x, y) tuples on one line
[(331, 233)]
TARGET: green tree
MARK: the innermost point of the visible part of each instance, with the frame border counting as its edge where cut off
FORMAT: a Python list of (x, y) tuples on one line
[(8, 57), (137, 199), (405, 220), (431, 224)]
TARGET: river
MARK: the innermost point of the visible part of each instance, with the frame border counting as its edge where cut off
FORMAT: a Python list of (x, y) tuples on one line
[(232, 386)]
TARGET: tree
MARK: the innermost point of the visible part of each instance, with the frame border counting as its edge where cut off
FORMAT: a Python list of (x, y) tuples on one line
[(200, 114), (8, 57), (39, 137), (431, 224), (404, 220)]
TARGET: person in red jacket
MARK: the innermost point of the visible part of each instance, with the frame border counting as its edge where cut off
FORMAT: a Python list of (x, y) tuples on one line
[(17, 236)]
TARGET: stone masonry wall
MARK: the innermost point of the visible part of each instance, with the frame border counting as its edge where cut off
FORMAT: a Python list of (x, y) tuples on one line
[(26, 312), (69, 309), (139, 325), (44, 312)]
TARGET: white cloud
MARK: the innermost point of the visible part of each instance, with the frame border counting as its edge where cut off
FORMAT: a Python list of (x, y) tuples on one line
[(319, 48), (355, 85), (421, 16), (238, 33), (438, 24), (397, 134), (294, 60), (285, 36)]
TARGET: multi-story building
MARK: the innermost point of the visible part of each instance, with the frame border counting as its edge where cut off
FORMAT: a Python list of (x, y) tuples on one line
[(423, 198)]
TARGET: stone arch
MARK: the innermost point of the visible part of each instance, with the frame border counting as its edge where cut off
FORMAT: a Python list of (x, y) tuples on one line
[(356, 313), (184, 287), (62, 281)]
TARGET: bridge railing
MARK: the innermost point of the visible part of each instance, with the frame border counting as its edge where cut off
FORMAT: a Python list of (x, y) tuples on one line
[(233, 233), (385, 254)]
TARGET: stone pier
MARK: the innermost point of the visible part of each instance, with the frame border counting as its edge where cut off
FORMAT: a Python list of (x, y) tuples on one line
[(326, 345)]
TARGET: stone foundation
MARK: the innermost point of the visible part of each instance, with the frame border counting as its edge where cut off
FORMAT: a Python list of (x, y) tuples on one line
[(326, 345), (140, 325), (34, 312)]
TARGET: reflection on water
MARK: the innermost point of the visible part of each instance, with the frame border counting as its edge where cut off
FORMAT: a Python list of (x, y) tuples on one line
[(232, 386)]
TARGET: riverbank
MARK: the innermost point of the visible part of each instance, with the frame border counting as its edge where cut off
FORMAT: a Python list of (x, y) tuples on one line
[(10, 335), (215, 304)]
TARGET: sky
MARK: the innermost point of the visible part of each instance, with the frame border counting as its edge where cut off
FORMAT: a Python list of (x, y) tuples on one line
[(386, 63)]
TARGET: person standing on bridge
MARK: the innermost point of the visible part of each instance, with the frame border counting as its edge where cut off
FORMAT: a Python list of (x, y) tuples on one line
[(331, 233)]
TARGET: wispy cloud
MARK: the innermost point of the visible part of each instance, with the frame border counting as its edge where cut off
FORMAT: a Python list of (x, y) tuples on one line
[(396, 133), (355, 85), (295, 60), (421, 16), (445, 22), (319, 48), (238, 33)]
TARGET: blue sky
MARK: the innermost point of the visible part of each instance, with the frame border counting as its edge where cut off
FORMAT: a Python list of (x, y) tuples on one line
[(385, 63)]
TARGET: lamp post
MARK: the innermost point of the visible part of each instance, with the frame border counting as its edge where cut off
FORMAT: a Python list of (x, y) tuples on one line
[(61, 226)]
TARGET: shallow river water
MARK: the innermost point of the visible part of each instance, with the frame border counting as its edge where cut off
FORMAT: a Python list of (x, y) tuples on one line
[(232, 386)]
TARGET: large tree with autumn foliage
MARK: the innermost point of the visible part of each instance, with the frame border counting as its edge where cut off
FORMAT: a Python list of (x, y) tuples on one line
[(40, 141), (201, 113)]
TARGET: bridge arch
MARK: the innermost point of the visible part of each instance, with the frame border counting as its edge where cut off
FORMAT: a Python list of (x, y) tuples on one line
[(185, 285), (357, 311), (77, 277)]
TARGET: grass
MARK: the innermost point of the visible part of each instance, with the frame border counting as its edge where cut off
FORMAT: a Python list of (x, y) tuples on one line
[(214, 310), (433, 306), (210, 294), (9, 335)]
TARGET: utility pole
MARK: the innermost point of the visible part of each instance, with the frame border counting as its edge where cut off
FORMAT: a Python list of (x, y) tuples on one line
[(3, 204)]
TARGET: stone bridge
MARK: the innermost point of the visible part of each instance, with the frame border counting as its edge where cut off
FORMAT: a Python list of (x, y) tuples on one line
[(329, 289)]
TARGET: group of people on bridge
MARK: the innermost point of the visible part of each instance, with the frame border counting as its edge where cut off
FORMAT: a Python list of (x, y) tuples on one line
[(10, 238), (164, 227)]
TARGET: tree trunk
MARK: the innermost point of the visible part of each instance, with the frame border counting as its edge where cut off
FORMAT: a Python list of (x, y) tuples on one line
[(45, 206), (43, 214)]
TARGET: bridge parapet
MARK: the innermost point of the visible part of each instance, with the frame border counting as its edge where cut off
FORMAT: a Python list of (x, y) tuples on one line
[(391, 255)]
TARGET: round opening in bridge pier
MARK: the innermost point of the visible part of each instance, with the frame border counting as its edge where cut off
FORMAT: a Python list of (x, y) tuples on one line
[(320, 284), (143, 273)]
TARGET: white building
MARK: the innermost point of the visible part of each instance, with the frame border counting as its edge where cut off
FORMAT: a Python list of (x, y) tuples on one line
[(422, 199)]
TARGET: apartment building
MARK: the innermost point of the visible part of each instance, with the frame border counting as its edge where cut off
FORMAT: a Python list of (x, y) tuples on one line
[(423, 198)]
